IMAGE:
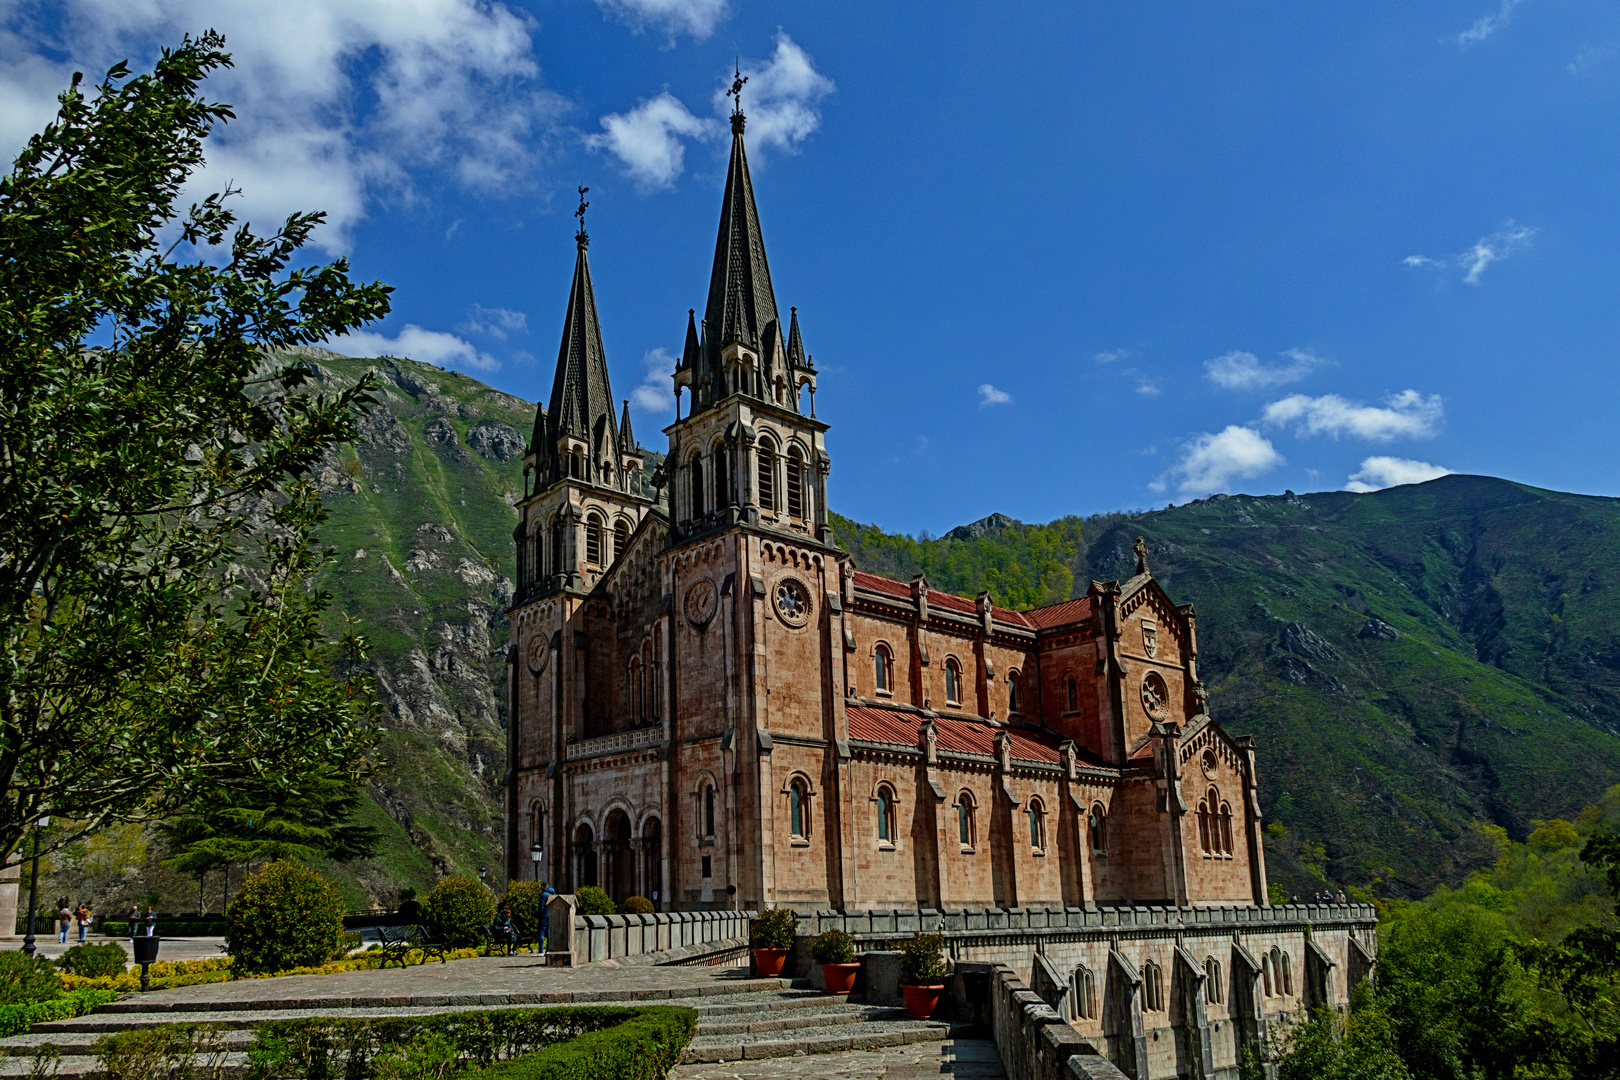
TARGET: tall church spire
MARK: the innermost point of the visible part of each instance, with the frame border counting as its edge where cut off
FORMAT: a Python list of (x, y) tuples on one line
[(742, 305), (581, 418)]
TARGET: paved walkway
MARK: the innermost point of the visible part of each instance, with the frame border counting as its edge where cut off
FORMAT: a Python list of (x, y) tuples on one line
[(966, 1059), (172, 948)]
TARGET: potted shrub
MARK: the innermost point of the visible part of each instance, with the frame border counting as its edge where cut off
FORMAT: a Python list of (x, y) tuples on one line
[(835, 952), (772, 938), (922, 973)]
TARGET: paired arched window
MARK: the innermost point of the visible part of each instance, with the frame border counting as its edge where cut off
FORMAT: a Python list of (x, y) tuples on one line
[(621, 537), (964, 819), (1214, 993), (767, 476), (1265, 974), (1152, 987), (593, 540), (953, 682), (1085, 993), (1098, 823), (1287, 976), (883, 670), (1071, 699), (795, 483), (1277, 972), (1214, 824), (697, 485), (1037, 825), (1012, 693), (799, 808), (885, 814)]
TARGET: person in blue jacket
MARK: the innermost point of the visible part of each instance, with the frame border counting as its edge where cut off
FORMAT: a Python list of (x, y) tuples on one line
[(545, 915)]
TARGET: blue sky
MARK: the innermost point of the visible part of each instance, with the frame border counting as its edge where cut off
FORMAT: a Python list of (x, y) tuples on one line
[(1055, 258)]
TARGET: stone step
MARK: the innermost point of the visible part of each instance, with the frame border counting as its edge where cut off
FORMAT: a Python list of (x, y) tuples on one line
[(798, 1018), (84, 1043), (86, 1067), (831, 1039)]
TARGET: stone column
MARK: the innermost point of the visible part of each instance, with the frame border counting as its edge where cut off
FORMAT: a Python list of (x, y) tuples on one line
[(10, 878), (560, 937)]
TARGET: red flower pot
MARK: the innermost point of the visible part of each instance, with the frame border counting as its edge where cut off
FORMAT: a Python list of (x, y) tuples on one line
[(840, 978), (770, 961), (921, 1001)]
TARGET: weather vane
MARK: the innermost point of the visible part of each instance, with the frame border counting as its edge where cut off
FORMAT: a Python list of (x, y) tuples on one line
[(580, 213), (735, 92)]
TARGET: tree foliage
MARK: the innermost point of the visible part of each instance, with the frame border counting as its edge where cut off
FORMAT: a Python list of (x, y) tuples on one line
[(286, 916), (158, 636)]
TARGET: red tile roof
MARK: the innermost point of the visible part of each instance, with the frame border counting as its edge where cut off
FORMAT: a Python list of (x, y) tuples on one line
[(1061, 614), (955, 733)]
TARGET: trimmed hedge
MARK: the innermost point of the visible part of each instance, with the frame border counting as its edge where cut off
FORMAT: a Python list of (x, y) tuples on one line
[(172, 927), (285, 916), (25, 978), (459, 910), (94, 961), (645, 1047), (17, 1019)]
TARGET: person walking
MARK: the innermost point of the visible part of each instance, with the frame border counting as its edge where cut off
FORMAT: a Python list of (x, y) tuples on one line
[(83, 915), (151, 921), (134, 923), (64, 923), (545, 914)]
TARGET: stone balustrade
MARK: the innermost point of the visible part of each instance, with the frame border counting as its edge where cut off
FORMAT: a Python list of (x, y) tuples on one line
[(615, 744), (654, 938)]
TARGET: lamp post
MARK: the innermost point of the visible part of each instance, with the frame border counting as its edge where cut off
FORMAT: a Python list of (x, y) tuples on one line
[(537, 854), (33, 887), (483, 874)]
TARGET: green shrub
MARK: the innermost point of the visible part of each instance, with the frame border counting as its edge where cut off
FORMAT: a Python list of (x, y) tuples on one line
[(285, 916), (94, 961), (459, 910), (410, 911), (17, 1019), (523, 897), (593, 901), (922, 960), (637, 905), (644, 1047), (833, 947), (25, 979), (774, 929)]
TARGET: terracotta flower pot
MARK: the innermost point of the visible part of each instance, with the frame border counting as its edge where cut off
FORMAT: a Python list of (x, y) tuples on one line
[(840, 978), (770, 961), (921, 1001)]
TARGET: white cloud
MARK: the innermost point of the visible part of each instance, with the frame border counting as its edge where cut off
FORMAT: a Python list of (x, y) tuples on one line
[(1406, 415), (695, 17), (1110, 355), (497, 322), (1486, 25), (647, 139), (656, 394), (1212, 462), (781, 95), (1244, 371), (337, 101), (415, 343), (1486, 250), (989, 395), (1378, 473), (1146, 389)]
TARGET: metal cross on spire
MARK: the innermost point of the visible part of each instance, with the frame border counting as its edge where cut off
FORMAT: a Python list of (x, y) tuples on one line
[(735, 93), (580, 237)]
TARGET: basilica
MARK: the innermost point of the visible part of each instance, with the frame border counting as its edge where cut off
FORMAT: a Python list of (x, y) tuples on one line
[(711, 706)]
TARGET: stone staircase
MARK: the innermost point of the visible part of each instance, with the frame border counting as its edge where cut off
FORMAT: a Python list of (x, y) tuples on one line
[(737, 1020)]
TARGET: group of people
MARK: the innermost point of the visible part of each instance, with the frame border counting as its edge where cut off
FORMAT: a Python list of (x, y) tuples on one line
[(1327, 896), (505, 930), (66, 917)]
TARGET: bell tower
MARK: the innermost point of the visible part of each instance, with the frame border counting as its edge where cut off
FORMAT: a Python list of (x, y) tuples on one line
[(748, 451)]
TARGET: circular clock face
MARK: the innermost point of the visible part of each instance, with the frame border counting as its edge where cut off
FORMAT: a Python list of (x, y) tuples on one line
[(793, 602), (1155, 698), (534, 654), (700, 602)]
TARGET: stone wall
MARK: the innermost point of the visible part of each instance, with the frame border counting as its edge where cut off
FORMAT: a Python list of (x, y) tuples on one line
[(1034, 1041), (689, 935)]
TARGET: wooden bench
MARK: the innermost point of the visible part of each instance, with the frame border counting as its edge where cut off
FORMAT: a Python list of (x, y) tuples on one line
[(398, 941)]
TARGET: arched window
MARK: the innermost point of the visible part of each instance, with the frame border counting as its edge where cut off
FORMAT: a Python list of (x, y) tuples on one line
[(882, 669), (767, 476), (1265, 974), (633, 681), (1099, 830), (1287, 976), (953, 682), (798, 809), (1085, 993), (1037, 825), (697, 486), (537, 824), (593, 540), (1226, 828), (885, 812), (1012, 692), (708, 811), (1152, 987), (722, 490), (621, 537), (556, 547), (1072, 694), (795, 483), (1203, 826), (1213, 992), (964, 819)]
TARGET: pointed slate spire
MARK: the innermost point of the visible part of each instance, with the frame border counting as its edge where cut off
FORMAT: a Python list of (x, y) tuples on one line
[(741, 303), (795, 346), (693, 351), (627, 440), (581, 396)]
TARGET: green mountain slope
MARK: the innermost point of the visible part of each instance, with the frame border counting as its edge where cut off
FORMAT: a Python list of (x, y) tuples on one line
[(1414, 661)]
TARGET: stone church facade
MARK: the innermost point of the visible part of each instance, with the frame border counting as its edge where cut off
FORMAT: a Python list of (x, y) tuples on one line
[(712, 707)]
